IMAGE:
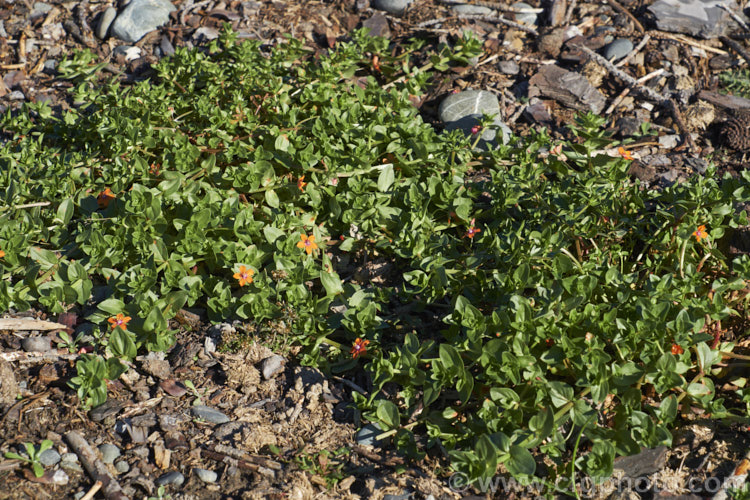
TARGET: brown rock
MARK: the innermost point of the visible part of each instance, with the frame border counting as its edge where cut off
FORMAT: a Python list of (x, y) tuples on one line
[(551, 43)]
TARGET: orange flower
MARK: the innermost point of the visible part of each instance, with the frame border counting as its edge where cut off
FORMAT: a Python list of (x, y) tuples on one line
[(2, 254), (301, 184), (624, 153), (307, 242), (677, 349), (119, 320), (472, 230), (700, 233), (244, 275), (359, 347), (104, 198)]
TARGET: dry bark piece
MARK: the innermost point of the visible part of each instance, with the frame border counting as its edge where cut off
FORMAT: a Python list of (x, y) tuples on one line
[(571, 89), (736, 132), (29, 324)]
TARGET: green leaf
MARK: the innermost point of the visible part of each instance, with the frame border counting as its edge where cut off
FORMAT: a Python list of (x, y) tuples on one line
[(385, 179), (331, 282), (520, 462), (112, 306), (65, 212), (388, 414), (155, 321), (272, 198)]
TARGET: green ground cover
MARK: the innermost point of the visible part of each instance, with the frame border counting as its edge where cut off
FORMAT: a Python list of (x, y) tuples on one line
[(540, 302)]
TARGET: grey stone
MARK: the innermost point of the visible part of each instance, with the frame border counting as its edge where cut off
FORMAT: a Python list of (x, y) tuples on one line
[(392, 6), (109, 452), (105, 22), (367, 435), (272, 366), (509, 67), (209, 414), (527, 18), (69, 457), (702, 18), (172, 477), (405, 496), (49, 457), (71, 465), (669, 141), (60, 478), (464, 111), (140, 17), (464, 9), (3, 33), (205, 475), (122, 467), (648, 461), (618, 49), (36, 344), (40, 8), (378, 25), (167, 49)]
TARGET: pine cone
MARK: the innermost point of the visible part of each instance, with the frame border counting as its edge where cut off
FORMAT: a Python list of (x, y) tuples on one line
[(736, 132)]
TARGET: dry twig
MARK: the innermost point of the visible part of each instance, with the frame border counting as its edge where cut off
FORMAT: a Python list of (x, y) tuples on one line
[(618, 7), (644, 91), (95, 467), (736, 47), (502, 20)]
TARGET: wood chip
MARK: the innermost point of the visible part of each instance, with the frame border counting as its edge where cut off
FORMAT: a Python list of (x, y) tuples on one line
[(28, 324)]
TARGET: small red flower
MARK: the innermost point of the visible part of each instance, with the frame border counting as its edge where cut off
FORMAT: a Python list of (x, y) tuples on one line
[(475, 129), (359, 347), (700, 233), (2, 254), (624, 153), (307, 242), (677, 349), (119, 321), (301, 183), (244, 275), (472, 230), (104, 198)]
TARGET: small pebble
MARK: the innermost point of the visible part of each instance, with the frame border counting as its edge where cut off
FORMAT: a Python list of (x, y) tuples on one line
[(109, 452), (49, 457), (33, 344), (166, 46), (122, 467), (60, 477), (205, 475), (618, 49), (367, 435), (209, 414), (527, 18), (271, 366), (105, 21), (391, 6), (172, 477), (509, 67)]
